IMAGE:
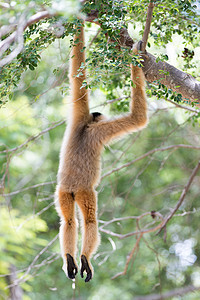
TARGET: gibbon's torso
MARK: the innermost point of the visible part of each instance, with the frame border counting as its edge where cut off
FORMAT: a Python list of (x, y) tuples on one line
[(80, 163)]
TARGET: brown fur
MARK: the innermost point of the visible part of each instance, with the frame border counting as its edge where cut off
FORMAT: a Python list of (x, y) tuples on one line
[(79, 168)]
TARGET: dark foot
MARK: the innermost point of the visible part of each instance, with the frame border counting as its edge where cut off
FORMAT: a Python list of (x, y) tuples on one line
[(85, 267), (71, 267)]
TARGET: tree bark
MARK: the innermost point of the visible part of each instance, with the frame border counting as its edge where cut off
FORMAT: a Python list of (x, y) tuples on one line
[(177, 80)]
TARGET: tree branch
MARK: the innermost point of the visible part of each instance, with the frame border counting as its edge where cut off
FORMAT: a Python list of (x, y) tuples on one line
[(154, 70), (29, 187), (140, 235), (20, 43), (5, 44), (22, 278), (169, 294), (149, 153), (16, 292), (129, 257), (147, 25), (32, 138), (196, 111), (137, 232), (126, 235), (172, 78), (182, 197)]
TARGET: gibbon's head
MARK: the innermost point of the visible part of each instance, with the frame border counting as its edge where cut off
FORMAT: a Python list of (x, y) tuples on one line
[(96, 117)]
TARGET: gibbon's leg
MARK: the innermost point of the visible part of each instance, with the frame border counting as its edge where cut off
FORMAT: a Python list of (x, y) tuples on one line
[(87, 201), (68, 233)]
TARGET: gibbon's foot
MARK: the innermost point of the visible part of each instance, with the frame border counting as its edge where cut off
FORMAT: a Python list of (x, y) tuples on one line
[(71, 267), (85, 267)]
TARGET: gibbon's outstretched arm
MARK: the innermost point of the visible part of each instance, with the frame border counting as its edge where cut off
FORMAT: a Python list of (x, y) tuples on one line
[(104, 131), (80, 106)]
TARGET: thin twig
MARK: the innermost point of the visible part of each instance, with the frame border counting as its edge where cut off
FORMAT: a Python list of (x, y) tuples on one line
[(123, 236), (150, 153), (111, 101), (35, 215), (196, 111), (129, 218), (33, 262), (182, 197), (147, 25), (32, 138), (140, 235), (138, 232), (129, 257), (28, 188), (170, 294), (94, 38), (53, 257)]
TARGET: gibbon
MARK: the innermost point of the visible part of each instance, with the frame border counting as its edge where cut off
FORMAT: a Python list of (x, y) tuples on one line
[(79, 168)]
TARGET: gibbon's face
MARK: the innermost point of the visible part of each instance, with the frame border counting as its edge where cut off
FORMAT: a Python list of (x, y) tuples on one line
[(96, 117)]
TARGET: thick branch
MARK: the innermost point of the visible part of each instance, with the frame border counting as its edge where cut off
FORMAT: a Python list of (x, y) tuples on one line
[(174, 79)]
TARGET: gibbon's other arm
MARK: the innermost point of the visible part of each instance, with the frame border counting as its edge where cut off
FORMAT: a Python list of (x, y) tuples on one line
[(135, 120), (80, 106)]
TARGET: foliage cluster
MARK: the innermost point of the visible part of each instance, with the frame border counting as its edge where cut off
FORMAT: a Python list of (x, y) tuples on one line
[(104, 56)]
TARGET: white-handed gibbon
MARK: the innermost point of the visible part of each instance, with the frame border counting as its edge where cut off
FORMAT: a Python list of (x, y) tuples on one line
[(79, 168)]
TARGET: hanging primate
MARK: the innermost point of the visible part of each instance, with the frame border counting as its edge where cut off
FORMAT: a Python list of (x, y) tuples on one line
[(79, 168)]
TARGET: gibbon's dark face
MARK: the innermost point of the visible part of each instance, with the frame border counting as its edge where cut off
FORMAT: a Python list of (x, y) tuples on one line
[(96, 117)]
